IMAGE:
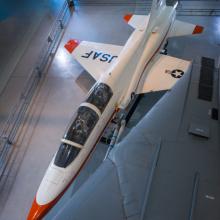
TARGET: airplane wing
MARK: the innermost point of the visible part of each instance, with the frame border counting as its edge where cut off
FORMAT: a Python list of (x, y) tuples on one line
[(163, 74), (94, 57), (181, 28), (137, 21)]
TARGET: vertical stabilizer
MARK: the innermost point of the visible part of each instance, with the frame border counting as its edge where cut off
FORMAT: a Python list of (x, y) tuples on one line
[(156, 7)]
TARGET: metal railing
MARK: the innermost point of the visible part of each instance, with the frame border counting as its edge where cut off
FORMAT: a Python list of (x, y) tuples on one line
[(18, 114), (198, 12), (144, 6)]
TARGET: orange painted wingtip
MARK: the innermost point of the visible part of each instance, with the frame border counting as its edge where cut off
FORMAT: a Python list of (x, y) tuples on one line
[(37, 212), (128, 17), (71, 45), (198, 29)]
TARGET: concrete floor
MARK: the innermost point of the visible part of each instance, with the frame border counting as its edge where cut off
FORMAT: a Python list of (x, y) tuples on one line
[(21, 33), (64, 87)]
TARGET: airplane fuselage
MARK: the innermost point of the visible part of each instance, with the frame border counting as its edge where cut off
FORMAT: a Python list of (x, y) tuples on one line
[(118, 84), (137, 54)]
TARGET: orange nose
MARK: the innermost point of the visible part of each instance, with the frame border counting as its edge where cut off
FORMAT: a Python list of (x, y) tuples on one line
[(37, 212)]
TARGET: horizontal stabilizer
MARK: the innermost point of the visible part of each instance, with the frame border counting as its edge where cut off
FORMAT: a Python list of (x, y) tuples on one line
[(163, 74), (94, 57), (139, 22), (181, 28)]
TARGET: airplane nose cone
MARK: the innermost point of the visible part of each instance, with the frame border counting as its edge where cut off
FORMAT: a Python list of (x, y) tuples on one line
[(37, 211)]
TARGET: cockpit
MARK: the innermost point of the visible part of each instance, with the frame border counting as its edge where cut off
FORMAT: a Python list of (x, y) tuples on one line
[(83, 124), (100, 96)]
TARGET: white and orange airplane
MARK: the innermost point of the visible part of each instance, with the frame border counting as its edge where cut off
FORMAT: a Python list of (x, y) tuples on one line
[(121, 72)]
